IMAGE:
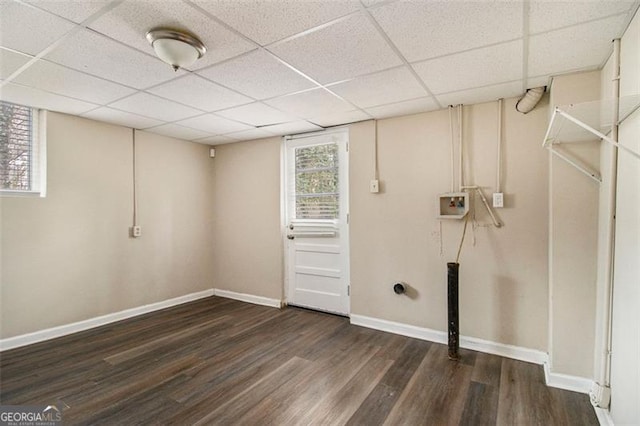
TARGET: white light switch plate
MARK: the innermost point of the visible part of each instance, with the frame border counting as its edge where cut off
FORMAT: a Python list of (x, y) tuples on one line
[(498, 200)]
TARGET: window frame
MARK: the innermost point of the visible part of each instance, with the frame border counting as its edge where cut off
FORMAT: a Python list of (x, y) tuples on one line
[(38, 159)]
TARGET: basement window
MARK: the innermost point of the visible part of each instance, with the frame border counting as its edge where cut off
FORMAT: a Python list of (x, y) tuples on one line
[(22, 151)]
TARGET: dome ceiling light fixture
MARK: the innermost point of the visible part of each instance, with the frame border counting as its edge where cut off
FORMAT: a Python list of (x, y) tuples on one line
[(177, 48)]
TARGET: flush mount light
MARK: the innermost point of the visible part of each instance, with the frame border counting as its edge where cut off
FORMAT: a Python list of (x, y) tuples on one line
[(178, 49)]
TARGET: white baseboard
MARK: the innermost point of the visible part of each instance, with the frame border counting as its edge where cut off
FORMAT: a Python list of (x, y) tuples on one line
[(507, 351), (604, 416), (566, 382), (63, 330), (400, 328), (250, 298)]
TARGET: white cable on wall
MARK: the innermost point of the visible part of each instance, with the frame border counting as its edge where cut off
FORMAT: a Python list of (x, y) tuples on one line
[(499, 148), (460, 175), (452, 148), (135, 182), (376, 171)]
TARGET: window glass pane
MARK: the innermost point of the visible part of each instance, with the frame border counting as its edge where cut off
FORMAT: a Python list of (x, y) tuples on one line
[(316, 182), (16, 133)]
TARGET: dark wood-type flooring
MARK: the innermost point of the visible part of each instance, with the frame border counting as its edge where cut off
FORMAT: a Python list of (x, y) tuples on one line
[(219, 361)]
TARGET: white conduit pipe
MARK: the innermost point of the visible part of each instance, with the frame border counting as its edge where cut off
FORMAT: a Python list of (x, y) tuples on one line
[(452, 148), (604, 373), (135, 180), (460, 182), (499, 153)]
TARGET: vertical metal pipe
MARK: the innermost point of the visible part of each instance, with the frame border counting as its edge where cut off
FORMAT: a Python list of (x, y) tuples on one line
[(453, 318)]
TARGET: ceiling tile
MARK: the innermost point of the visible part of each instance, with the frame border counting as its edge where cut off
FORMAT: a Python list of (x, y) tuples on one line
[(121, 118), (426, 29), (74, 10), (412, 106), (95, 54), (257, 74), (214, 124), (574, 48), (544, 80), (154, 107), (475, 68), (216, 140), (483, 94), (312, 103), (27, 29), (546, 15), (10, 62), (130, 21), (28, 96), (292, 128), (369, 3), (200, 93), (246, 135), (346, 49), (284, 17), (257, 114), (381, 88), (178, 132), (340, 118), (65, 81)]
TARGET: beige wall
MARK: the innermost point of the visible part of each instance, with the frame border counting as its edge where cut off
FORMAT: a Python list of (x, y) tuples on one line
[(574, 240), (395, 235), (248, 253), (68, 257)]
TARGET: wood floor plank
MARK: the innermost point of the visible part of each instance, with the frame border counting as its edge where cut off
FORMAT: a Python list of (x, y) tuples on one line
[(487, 369), (481, 406), (221, 361), (337, 407), (375, 408), (229, 412), (320, 381), (521, 382), (436, 393)]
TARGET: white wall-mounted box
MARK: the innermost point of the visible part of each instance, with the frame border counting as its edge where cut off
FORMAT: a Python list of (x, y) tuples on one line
[(453, 205)]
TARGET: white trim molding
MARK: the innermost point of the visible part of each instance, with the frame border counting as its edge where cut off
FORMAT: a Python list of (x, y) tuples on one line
[(566, 382), (63, 330), (507, 351), (604, 416), (250, 298)]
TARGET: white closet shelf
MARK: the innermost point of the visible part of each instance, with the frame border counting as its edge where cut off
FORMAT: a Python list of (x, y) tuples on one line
[(587, 122)]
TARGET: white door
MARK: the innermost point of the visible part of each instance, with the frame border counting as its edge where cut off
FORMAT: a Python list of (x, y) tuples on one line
[(317, 229)]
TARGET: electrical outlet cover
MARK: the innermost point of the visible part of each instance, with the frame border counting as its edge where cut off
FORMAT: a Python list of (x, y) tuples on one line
[(498, 200), (374, 186)]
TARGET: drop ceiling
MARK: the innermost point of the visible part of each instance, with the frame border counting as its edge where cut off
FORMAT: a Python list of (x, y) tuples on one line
[(276, 67)]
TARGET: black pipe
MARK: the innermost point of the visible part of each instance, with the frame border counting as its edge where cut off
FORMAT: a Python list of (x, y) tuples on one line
[(452, 299)]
